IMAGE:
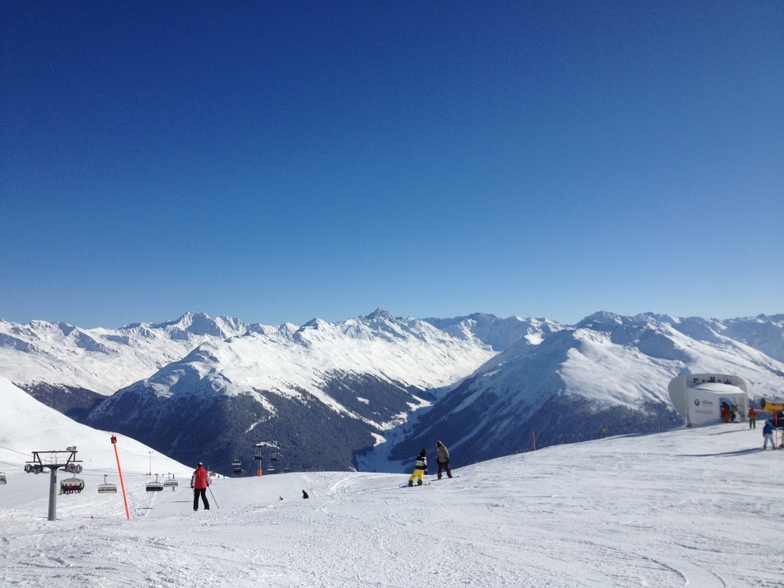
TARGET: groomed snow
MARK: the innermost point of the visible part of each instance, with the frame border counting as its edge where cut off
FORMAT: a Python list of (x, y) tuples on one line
[(692, 507)]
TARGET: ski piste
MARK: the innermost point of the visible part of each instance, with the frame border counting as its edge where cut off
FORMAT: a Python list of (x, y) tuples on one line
[(432, 481)]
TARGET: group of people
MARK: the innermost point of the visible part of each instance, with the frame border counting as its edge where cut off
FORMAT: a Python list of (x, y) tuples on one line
[(200, 480), (420, 467), (767, 430), (729, 413)]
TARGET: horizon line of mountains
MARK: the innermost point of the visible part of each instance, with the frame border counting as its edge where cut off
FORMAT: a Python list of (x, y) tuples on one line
[(371, 391)]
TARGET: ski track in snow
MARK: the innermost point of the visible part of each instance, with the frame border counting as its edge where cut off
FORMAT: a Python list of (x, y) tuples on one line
[(691, 507)]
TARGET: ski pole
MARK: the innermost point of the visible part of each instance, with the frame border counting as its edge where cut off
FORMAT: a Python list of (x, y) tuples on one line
[(213, 497)]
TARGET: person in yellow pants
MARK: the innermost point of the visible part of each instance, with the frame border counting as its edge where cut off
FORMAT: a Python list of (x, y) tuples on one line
[(420, 469)]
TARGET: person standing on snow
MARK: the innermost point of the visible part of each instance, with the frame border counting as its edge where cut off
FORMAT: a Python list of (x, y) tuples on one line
[(199, 482), (725, 412), (767, 434), (442, 458), (752, 418), (420, 469)]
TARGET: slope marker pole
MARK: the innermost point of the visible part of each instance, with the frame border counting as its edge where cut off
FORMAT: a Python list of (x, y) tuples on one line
[(122, 483)]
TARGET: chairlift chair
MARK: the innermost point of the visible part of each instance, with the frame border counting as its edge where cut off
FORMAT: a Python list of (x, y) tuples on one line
[(155, 486), (106, 487), (71, 485), (170, 483)]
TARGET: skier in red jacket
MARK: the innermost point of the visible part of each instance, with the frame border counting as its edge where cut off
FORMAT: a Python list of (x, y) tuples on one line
[(199, 482)]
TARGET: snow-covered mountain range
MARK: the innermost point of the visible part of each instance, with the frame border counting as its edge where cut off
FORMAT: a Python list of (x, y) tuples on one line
[(329, 394), (604, 376)]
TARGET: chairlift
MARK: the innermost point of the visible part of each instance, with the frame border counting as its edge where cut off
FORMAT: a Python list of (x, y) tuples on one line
[(71, 485), (170, 483), (2, 478), (236, 462), (238, 471), (106, 487), (270, 468), (257, 456), (275, 456), (236, 467), (155, 486)]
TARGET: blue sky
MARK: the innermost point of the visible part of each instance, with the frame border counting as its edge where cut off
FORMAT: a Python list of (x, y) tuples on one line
[(279, 161)]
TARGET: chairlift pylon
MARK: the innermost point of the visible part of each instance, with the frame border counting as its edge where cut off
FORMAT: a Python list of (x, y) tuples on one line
[(106, 487), (155, 486)]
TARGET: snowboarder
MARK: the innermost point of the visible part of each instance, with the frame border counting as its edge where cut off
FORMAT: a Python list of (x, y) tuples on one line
[(305, 494), (767, 434), (420, 469), (442, 458), (752, 418), (199, 482)]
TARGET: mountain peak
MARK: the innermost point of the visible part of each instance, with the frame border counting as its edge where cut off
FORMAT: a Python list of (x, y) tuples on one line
[(602, 317), (380, 314)]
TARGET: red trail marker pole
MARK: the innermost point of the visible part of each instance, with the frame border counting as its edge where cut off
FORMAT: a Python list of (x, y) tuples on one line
[(122, 483)]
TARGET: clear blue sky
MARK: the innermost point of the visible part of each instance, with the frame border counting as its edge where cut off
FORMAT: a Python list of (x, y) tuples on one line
[(279, 161)]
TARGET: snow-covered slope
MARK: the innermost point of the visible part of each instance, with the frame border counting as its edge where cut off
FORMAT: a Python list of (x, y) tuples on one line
[(690, 507), (28, 425)]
